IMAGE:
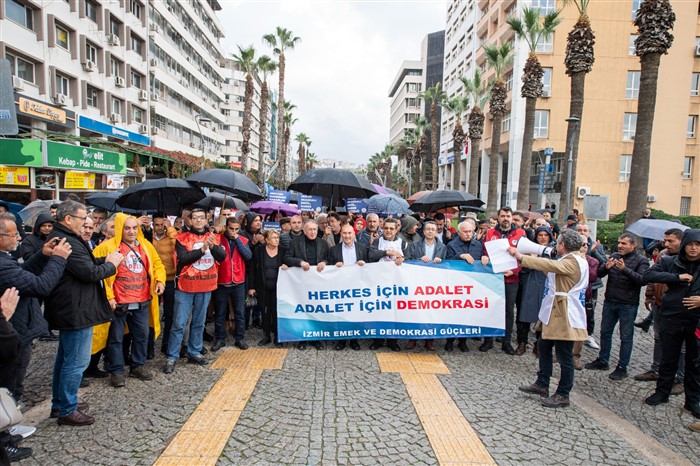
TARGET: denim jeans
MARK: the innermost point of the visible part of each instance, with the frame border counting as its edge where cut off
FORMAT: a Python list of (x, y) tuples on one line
[(72, 358), (185, 304), (612, 313), (565, 356), (221, 297), (138, 329)]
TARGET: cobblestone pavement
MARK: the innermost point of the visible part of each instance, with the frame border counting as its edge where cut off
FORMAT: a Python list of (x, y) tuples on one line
[(328, 407)]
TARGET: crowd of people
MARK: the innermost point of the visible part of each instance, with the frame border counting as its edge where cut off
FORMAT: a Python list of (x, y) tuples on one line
[(90, 276)]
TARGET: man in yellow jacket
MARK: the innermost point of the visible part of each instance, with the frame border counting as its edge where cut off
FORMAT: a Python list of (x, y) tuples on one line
[(133, 295)]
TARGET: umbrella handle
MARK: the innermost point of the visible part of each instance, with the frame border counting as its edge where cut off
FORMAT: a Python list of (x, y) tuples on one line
[(223, 204)]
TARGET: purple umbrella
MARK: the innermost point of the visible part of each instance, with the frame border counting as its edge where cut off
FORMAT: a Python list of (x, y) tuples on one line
[(267, 207)]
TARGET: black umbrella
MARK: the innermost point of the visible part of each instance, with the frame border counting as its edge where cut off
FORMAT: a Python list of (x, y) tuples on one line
[(216, 199), (108, 201), (333, 184), (161, 195), (228, 180), (443, 198)]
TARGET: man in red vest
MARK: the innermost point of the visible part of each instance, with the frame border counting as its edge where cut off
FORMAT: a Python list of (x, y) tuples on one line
[(197, 252), (231, 283)]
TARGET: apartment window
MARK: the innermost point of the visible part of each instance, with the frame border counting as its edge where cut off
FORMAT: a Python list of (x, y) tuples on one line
[(115, 67), (136, 44), (633, 38), (625, 168), (19, 13), (62, 37), (115, 26), (633, 84), (695, 85), (136, 79), (138, 115), (541, 124), (509, 82), (91, 10), (688, 163), (685, 206), (116, 106), (505, 124), (547, 82), (545, 44), (635, 7), (136, 8), (692, 124), (90, 52), (629, 126), (21, 68), (545, 6), (62, 84), (413, 87), (92, 97)]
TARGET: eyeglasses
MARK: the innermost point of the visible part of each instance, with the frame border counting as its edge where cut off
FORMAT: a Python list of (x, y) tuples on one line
[(79, 218), (198, 217), (16, 235)]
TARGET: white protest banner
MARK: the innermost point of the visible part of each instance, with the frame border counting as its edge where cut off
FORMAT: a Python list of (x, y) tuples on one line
[(383, 300)]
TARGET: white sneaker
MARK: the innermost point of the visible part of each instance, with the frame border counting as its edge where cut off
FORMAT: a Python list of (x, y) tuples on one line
[(24, 431), (592, 343)]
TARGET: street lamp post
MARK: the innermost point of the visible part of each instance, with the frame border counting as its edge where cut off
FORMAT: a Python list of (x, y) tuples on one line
[(575, 120), (201, 119)]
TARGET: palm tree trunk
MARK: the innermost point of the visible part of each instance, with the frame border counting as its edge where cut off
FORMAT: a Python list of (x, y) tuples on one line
[(474, 163), (434, 144), (492, 204), (526, 156), (247, 119), (578, 81), (457, 149), (264, 98), (281, 155), (641, 154)]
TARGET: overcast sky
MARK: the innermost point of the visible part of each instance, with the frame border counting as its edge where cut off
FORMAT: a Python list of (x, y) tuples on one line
[(339, 75)]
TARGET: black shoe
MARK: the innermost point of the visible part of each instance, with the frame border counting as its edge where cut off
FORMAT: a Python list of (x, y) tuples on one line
[(485, 346), (618, 374), (656, 399), (95, 374), (141, 373), (203, 351), (302, 345), (117, 380), (169, 367), (508, 349), (318, 345), (208, 337), (241, 344), (534, 389), (462, 345), (340, 345), (279, 344), (151, 351), (84, 382), (15, 453), (354, 345), (201, 360), (555, 401), (217, 346), (257, 323), (694, 409), (597, 365), (49, 337), (393, 345), (376, 344), (449, 346), (644, 325), (183, 352), (265, 341)]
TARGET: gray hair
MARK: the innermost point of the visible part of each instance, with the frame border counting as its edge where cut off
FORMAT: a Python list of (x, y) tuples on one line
[(571, 240), (6, 217), (105, 225), (470, 220), (629, 236), (67, 208)]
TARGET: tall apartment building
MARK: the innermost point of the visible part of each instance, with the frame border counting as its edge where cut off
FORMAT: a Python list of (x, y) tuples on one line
[(609, 115), (412, 78), (186, 76)]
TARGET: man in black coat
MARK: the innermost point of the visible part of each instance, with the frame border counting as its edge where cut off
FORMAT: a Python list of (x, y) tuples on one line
[(34, 278), (76, 305), (305, 252)]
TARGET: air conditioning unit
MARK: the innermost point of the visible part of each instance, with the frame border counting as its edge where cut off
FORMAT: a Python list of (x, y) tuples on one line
[(546, 93), (17, 83), (154, 28), (89, 66), (154, 62), (113, 39), (154, 130), (119, 81), (143, 129), (651, 198), (115, 118), (192, 144), (697, 50), (143, 95), (583, 191), (60, 99), (154, 98)]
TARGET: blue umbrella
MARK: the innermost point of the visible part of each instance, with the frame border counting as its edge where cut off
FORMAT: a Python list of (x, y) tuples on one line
[(388, 204)]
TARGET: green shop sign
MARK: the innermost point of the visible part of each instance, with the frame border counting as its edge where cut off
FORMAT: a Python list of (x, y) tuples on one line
[(22, 152), (72, 157)]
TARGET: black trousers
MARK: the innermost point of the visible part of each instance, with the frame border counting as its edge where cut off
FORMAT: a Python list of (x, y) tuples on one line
[(168, 312), (511, 293), (673, 334), (12, 375), (269, 309)]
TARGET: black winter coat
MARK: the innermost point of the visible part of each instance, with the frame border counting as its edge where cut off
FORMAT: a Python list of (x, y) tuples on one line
[(296, 254), (79, 301), (34, 242), (257, 269), (624, 285), (35, 278)]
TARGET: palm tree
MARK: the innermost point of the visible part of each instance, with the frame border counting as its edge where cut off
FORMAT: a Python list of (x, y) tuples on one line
[(280, 41), (388, 151), (304, 143), (245, 61), (579, 62), (435, 96), (498, 57), (422, 128), (311, 160), (265, 66), (655, 19), (289, 120), (457, 105), (478, 93), (532, 30), (374, 168)]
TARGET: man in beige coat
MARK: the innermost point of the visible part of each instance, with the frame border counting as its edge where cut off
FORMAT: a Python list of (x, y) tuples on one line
[(563, 315)]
